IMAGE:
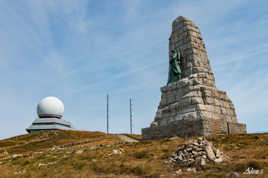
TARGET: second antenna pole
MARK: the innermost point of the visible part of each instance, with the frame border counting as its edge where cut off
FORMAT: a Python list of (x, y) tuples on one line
[(130, 114), (107, 113)]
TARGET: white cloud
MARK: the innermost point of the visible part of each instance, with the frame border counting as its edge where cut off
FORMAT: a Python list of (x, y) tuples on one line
[(60, 48)]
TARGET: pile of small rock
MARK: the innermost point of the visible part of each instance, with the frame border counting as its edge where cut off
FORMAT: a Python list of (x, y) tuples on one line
[(199, 151), (117, 151), (4, 153)]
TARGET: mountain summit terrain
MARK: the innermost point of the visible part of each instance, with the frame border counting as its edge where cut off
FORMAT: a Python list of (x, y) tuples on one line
[(96, 154)]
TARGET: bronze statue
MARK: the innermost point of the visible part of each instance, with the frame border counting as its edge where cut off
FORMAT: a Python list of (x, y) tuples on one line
[(175, 67)]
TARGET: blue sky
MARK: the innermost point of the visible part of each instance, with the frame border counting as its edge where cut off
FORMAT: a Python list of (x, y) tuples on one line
[(81, 50)]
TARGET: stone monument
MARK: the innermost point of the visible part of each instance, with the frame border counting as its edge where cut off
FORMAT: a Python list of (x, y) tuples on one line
[(191, 105)]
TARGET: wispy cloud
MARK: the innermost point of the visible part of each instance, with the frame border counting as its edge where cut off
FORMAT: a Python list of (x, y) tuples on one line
[(81, 50)]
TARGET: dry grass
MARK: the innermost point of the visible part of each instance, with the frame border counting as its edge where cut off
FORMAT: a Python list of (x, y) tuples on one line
[(143, 159)]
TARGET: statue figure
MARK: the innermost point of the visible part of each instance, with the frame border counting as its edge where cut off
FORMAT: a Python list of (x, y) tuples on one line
[(175, 67)]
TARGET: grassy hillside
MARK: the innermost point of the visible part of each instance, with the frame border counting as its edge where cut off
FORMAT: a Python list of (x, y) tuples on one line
[(92, 154)]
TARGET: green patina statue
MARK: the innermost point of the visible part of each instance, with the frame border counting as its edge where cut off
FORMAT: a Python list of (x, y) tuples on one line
[(175, 67)]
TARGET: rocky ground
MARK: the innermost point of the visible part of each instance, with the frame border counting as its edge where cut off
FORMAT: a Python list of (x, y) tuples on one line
[(96, 154)]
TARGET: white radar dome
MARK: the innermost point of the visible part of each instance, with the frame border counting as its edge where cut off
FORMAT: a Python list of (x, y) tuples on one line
[(50, 107)]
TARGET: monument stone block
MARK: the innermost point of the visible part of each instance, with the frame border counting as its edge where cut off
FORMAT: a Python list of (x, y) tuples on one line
[(191, 105)]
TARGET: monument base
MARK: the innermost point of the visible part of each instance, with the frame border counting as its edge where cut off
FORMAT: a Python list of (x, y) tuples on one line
[(191, 128), (188, 108)]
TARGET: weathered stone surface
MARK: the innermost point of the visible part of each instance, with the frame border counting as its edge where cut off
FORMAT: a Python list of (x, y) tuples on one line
[(203, 162), (218, 160), (194, 99), (210, 153)]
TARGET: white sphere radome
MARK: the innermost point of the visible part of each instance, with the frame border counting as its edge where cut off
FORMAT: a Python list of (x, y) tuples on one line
[(50, 107)]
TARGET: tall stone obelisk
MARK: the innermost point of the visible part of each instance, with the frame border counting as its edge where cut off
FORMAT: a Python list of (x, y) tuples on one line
[(192, 106)]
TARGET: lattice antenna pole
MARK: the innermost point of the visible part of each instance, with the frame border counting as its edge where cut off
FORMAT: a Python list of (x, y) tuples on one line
[(130, 114), (107, 114)]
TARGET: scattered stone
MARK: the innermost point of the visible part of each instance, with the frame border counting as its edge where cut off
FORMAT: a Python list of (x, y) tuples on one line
[(203, 162), (19, 172), (167, 161), (79, 151), (210, 152), (43, 164), (199, 151), (92, 148), (191, 169), (122, 150), (4, 153), (235, 174), (178, 172), (218, 153), (218, 160), (115, 152), (55, 148), (16, 156)]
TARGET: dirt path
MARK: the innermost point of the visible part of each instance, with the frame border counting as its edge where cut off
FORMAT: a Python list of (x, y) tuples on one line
[(127, 139)]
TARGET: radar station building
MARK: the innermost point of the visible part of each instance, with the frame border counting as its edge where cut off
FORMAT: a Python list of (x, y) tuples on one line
[(50, 111)]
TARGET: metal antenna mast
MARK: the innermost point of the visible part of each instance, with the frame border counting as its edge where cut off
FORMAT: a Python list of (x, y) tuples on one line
[(130, 114), (107, 113)]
